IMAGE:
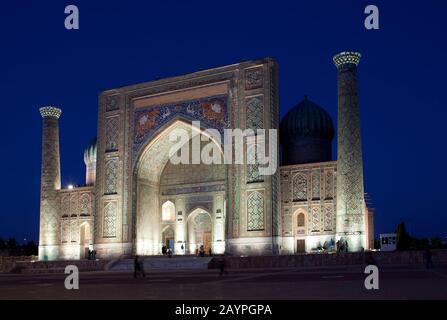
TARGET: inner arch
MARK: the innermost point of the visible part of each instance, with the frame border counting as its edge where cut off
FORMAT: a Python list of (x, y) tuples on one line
[(152, 168)]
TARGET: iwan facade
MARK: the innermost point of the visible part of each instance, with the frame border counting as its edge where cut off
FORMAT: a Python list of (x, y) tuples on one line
[(135, 200)]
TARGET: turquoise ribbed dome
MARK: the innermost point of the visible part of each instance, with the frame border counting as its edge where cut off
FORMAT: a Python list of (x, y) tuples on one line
[(90, 152), (307, 120)]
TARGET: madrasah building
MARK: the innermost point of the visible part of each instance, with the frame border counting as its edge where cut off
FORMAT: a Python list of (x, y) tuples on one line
[(135, 200)]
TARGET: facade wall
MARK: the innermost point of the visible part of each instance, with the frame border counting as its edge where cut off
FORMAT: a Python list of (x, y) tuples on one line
[(130, 117), (293, 210), (308, 190), (76, 222)]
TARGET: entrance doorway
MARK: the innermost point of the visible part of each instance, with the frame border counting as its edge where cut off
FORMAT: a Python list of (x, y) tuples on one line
[(85, 240), (168, 238), (300, 246), (199, 231)]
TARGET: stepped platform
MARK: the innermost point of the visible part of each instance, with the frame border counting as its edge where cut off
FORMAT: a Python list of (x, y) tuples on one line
[(162, 263)]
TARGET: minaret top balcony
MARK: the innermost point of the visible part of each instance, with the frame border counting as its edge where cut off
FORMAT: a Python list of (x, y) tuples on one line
[(50, 112), (345, 58)]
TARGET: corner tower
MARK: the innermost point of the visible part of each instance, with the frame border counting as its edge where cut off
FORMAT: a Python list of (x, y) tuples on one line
[(350, 192), (49, 235)]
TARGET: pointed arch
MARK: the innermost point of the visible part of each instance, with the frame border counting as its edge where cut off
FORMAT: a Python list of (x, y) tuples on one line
[(168, 211)]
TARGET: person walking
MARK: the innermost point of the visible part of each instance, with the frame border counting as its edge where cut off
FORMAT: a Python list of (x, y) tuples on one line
[(428, 258), (138, 267), (222, 266)]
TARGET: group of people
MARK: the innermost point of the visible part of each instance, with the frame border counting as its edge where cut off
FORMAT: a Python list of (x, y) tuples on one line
[(167, 251), (200, 252), (342, 246), (91, 255)]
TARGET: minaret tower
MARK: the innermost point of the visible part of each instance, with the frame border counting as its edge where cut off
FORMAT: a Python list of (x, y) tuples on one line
[(49, 236), (350, 195)]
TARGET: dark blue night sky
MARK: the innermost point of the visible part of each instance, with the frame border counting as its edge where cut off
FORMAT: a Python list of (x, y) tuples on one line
[(402, 84)]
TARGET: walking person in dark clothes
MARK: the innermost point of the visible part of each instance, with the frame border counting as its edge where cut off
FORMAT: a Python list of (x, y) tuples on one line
[(138, 267), (222, 267), (428, 258)]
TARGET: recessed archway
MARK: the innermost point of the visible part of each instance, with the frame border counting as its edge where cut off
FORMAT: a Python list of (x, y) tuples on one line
[(168, 238), (200, 231), (85, 240), (147, 197), (299, 230)]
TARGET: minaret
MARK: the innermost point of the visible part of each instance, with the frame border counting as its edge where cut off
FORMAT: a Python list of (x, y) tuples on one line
[(49, 236), (350, 195)]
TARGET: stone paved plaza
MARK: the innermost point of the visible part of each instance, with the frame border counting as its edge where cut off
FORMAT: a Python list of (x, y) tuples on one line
[(329, 283)]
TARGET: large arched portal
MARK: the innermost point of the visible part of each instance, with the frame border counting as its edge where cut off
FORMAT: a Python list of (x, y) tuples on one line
[(167, 191)]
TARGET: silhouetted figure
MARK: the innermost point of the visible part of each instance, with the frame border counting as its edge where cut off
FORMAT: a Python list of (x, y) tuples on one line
[(169, 252), (94, 255), (222, 266), (428, 258), (369, 259), (183, 248), (89, 254), (346, 246), (164, 250), (338, 245), (202, 251), (342, 246), (138, 267), (210, 252)]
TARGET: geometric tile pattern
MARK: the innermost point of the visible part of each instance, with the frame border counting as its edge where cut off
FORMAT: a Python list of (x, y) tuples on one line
[(74, 210), (328, 218), (109, 226), (112, 134), (253, 165), (65, 231), (316, 218), (315, 185), (50, 183), (299, 187), (255, 113), (74, 231), (329, 185), (255, 211), (350, 191), (111, 178), (65, 206), (84, 204)]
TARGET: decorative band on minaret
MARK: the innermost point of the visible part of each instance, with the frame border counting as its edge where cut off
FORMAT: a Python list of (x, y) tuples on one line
[(49, 236), (350, 191)]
